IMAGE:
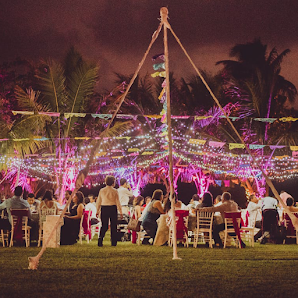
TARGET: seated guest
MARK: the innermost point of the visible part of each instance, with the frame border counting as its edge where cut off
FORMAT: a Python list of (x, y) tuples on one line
[(71, 228), (89, 206), (207, 200), (155, 209), (145, 206), (228, 205), (137, 203), (194, 202), (16, 202), (217, 201), (254, 212), (34, 221), (34, 204)]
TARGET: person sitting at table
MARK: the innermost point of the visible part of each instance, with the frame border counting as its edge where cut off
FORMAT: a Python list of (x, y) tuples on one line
[(47, 206), (89, 206), (16, 202), (207, 200), (155, 209), (290, 228), (71, 228), (34, 221), (228, 205), (137, 203)]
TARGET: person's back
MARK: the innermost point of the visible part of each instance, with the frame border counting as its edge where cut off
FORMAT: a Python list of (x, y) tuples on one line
[(16, 202)]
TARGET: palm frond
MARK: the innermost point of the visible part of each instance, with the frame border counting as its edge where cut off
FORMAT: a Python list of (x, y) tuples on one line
[(51, 81)]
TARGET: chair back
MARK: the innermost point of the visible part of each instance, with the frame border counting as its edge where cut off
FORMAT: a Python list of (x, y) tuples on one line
[(289, 225), (252, 220), (204, 221), (45, 210), (19, 221), (232, 224)]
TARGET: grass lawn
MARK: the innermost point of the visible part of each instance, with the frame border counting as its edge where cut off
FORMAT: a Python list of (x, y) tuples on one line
[(147, 271)]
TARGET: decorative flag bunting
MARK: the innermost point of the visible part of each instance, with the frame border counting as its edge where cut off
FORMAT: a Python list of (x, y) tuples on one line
[(69, 115), (159, 56), (270, 120), (294, 148), (272, 147), (161, 74), (288, 119), (197, 141), (216, 144), (23, 112), (295, 153), (253, 146), (236, 146), (158, 66)]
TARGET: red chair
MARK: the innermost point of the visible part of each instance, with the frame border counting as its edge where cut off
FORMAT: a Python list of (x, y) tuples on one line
[(232, 225), (85, 226), (181, 219), (20, 229)]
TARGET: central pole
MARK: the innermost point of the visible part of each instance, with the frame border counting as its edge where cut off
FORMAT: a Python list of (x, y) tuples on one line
[(164, 21)]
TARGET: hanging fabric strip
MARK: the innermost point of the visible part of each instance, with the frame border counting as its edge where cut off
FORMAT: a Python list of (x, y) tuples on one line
[(159, 56), (21, 140), (161, 74), (133, 149), (69, 115), (159, 65), (216, 144), (120, 138), (236, 145), (198, 118), (294, 153), (23, 112), (288, 119), (294, 148)]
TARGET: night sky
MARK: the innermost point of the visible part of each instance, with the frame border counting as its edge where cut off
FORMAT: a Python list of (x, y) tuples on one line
[(116, 33)]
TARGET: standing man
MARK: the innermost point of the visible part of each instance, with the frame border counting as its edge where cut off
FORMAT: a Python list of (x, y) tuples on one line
[(125, 193), (106, 206)]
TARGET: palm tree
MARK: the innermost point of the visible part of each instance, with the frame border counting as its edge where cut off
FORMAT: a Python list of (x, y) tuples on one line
[(257, 77)]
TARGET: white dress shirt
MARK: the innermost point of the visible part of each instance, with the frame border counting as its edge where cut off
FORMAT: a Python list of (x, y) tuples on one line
[(124, 195)]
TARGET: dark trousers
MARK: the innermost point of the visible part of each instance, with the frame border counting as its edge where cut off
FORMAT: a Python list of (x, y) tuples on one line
[(216, 237), (5, 224), (108, 213), (215, 233)]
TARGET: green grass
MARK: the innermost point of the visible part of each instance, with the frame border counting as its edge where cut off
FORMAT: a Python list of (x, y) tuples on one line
[(147, 271)]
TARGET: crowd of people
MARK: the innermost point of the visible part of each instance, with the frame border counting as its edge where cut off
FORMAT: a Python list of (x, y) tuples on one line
[(153, 213)]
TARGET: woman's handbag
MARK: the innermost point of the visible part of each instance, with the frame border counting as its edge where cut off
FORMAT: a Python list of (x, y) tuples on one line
[(134, 224)]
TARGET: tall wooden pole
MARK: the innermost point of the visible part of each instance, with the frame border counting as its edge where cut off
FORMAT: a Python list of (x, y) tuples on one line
[(164, 20)]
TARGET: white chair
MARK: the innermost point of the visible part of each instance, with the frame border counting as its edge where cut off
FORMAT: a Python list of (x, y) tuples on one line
[(85, 217), (43, 212), (181, 225), (204, 227), (291, 231), (248, 232), (95, 229), (229, 226), (20, 225), (4, 233)]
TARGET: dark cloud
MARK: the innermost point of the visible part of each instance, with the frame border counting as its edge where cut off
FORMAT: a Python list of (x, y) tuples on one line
[(116, 32)]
